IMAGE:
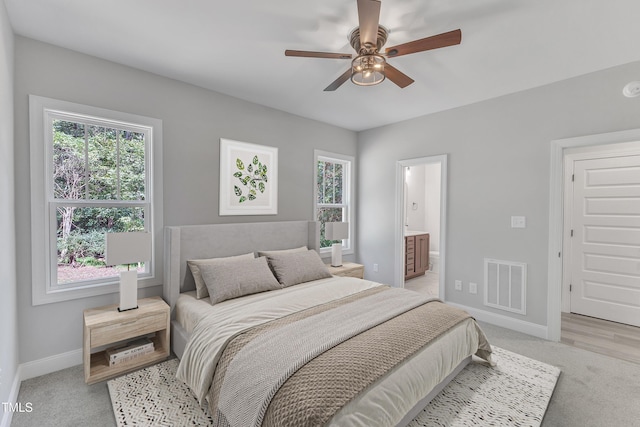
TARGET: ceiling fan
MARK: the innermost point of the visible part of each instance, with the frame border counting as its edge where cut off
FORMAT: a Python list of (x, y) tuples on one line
[(370, 67)]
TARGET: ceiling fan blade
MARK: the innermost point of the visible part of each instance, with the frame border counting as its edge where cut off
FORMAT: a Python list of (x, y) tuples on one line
[(434, 42), (397, 76), (308, 54), (368, 17), (339, 81)]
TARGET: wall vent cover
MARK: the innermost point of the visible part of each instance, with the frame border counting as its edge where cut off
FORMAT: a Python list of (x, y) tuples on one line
[(505, 285)]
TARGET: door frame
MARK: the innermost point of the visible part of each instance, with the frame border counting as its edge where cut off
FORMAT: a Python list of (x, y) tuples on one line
[(626, 141), (571, 156), (399, 219)]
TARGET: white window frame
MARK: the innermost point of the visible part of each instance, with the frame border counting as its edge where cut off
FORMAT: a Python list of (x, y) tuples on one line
[(42, 112), (348, 196)]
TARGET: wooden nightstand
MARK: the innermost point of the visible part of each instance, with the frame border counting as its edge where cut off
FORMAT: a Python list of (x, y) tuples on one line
[(104, 326), (350, 269)]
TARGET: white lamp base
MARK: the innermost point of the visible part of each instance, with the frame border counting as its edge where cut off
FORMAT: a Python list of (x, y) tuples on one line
[(336, 255), (128, 290)]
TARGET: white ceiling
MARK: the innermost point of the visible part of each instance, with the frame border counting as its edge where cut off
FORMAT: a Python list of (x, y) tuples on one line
[(237, 47)]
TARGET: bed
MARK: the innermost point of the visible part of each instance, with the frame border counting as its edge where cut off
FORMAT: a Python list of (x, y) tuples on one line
[(336, 351)]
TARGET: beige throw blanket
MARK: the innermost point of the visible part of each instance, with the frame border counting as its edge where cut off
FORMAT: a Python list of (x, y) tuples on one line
[(301, 369)]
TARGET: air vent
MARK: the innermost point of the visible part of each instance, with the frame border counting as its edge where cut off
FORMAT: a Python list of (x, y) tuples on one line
[(505, 285)]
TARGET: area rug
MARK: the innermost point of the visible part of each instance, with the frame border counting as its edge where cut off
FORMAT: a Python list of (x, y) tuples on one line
[(515, 392)]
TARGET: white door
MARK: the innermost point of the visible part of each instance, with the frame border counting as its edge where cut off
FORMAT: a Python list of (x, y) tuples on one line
[(605, 247)]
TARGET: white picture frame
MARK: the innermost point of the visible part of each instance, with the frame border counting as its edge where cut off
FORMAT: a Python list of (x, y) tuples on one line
[(248, 178)]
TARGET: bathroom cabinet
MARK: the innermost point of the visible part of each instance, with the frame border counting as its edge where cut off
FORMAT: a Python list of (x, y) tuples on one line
[(416, 259)]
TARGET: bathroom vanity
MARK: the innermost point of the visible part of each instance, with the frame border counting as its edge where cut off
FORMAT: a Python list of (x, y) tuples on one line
[(416, 249)]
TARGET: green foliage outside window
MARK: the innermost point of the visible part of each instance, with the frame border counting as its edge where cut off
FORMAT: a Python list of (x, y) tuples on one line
[(330, 182), (93, 163)]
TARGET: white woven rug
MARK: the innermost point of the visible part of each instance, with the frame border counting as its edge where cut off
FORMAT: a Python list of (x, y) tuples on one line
[(514, 393)]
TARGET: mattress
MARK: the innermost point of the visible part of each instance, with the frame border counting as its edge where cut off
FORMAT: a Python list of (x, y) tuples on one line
[(383, 404)]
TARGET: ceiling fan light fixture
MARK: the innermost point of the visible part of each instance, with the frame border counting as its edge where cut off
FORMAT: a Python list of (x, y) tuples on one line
[(368, 69)]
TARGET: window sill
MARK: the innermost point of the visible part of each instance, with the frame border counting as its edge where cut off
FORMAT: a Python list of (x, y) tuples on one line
[(61, 295)]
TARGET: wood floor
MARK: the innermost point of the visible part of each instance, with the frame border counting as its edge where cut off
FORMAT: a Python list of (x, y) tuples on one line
[(588, 333), (601, 336)]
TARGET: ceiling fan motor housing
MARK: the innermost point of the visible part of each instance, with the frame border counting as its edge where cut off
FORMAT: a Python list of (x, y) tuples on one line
[(354, 40)]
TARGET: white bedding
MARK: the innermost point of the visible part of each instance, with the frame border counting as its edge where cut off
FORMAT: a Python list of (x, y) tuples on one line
[(383, 404)]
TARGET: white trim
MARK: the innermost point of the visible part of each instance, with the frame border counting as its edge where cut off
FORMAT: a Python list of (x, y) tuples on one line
[(37, 368), (556, 216), (350, 203), (50, 364), (518, 325), (399, 220), (5, 421), (39, 108)]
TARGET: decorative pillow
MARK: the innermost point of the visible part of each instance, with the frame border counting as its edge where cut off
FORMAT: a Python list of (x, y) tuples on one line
[(292, 268), (237, 278), (282, 251), (196, 264)]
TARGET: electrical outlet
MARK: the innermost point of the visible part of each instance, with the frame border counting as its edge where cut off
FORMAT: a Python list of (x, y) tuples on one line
[(375, 268), (518, 222), (473, 288), (458, 284)]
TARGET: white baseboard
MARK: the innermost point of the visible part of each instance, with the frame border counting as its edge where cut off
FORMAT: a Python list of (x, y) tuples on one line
[(50, 364), (34, 369), (518, 325), (7, 416)]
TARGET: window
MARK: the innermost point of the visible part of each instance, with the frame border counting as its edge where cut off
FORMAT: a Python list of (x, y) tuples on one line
[(334, 197), (96, 175)]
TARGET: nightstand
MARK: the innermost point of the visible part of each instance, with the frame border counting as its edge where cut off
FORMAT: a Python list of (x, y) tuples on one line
[(348, 269), (105, 326)]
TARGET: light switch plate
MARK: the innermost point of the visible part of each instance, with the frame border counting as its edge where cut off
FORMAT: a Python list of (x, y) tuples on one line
[(518, 222), (458, 285)]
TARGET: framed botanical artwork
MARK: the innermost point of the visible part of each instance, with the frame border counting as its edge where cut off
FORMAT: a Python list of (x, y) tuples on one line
[(248, 178)]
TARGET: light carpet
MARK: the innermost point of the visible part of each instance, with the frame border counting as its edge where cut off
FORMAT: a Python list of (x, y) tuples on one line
[(515, 392)]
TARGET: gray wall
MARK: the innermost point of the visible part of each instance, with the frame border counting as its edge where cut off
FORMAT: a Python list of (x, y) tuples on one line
[(499, 153), (193, 122), (8, 319)]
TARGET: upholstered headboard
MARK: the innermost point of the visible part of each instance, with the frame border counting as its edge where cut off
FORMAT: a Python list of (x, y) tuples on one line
[(182, 243)]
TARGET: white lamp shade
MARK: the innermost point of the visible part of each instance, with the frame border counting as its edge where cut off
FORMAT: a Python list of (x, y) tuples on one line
[(336, 230), (127, 248)]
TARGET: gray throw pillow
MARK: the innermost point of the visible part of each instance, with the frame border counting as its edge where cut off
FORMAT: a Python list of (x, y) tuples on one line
[(282, 251), (196, 264), (292, 268), (237, 278)]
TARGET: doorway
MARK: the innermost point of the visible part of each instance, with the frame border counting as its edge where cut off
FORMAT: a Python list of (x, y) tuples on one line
[(421, 224), (618, 144), (602, 247)]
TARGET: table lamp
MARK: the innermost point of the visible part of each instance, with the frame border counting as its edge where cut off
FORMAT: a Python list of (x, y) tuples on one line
[(128, 248), (336, 231)]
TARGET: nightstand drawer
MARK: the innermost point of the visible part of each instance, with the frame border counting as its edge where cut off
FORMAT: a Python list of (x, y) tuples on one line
[(128, 328)]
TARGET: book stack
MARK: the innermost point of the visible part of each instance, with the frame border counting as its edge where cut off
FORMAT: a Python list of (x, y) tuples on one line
[(129, 351)]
